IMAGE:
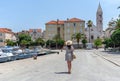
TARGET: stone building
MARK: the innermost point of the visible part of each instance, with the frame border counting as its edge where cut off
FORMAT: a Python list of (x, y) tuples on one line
[(64, 28), (96, 31), (35, 33), (6, 34)]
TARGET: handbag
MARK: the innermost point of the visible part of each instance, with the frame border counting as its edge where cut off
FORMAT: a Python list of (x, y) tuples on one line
[(74, 57)]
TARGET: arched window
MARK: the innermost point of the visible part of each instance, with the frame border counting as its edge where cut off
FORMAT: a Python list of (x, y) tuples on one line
[(92, 37)]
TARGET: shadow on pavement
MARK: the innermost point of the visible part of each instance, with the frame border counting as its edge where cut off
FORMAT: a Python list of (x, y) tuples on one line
[(61, 73)]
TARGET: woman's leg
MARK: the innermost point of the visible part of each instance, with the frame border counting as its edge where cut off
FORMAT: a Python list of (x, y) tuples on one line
[(69, 66)]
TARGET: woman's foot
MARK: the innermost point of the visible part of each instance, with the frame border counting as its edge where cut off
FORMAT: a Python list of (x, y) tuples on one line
[(69, 72)]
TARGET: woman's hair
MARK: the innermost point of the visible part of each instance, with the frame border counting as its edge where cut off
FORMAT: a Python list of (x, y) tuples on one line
[(69, 46)]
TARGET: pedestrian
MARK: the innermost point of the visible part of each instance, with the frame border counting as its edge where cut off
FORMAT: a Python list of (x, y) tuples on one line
[(35, 54), (69, 54)]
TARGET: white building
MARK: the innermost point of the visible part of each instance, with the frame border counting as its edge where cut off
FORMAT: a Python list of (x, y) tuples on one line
[(96, 31), (6, 34), (35, 33)]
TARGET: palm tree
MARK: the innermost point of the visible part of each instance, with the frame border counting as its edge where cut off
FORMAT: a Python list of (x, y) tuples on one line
[(118, 7), (77, 36), (73, 37), (89, 24), (118, 23)]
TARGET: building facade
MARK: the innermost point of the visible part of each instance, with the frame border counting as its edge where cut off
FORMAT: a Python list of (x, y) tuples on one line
[(6, 34), (96, 31), (54, 28), (35, 33), (99, 20), (64, 28)]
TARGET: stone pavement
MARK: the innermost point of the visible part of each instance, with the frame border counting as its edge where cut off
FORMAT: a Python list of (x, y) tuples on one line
[(86, 67), (113, 57)]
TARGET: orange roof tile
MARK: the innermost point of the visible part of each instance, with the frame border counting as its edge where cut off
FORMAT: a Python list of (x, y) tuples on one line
[(38, 30), (5, 30), (60, 22), (56, 22), (75, 20)]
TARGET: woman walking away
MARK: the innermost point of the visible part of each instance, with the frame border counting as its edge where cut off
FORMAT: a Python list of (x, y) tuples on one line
[(69, 55)]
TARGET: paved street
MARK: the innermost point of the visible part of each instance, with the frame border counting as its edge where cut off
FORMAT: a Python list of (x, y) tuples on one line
[(88, 66), (113, 57)]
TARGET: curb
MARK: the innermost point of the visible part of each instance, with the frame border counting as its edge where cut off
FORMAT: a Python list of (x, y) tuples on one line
[(108, 60)]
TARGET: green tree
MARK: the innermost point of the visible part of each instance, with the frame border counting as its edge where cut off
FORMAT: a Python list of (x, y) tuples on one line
[(84, 41), (73, 37), (24, 40), (56, 38), (116, 37), (118, 24), (89, 24), (108, 42), (40, 41), (23, 43), (10, 42), (50, 43), (118, 7), (98, 42), (60, 43), (77, 36)]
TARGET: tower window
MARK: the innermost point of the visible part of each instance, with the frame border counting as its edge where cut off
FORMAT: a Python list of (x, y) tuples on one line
[(100, 16)]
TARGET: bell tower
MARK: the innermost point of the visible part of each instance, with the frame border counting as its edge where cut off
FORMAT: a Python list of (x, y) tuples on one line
[(99, 19)]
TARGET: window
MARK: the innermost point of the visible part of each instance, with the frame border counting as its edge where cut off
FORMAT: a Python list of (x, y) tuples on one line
[(58, 30), (1, 40), (100, 21), (74, 24), (100, 16), (0, 34), (92, 37)]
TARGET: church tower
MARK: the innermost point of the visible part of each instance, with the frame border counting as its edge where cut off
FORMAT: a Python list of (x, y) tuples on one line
[(99, 19)]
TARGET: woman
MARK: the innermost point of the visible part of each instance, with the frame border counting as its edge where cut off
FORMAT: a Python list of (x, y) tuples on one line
[(69, 55)]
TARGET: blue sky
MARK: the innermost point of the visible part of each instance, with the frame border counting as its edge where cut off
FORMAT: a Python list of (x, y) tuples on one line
[(26, 14)]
